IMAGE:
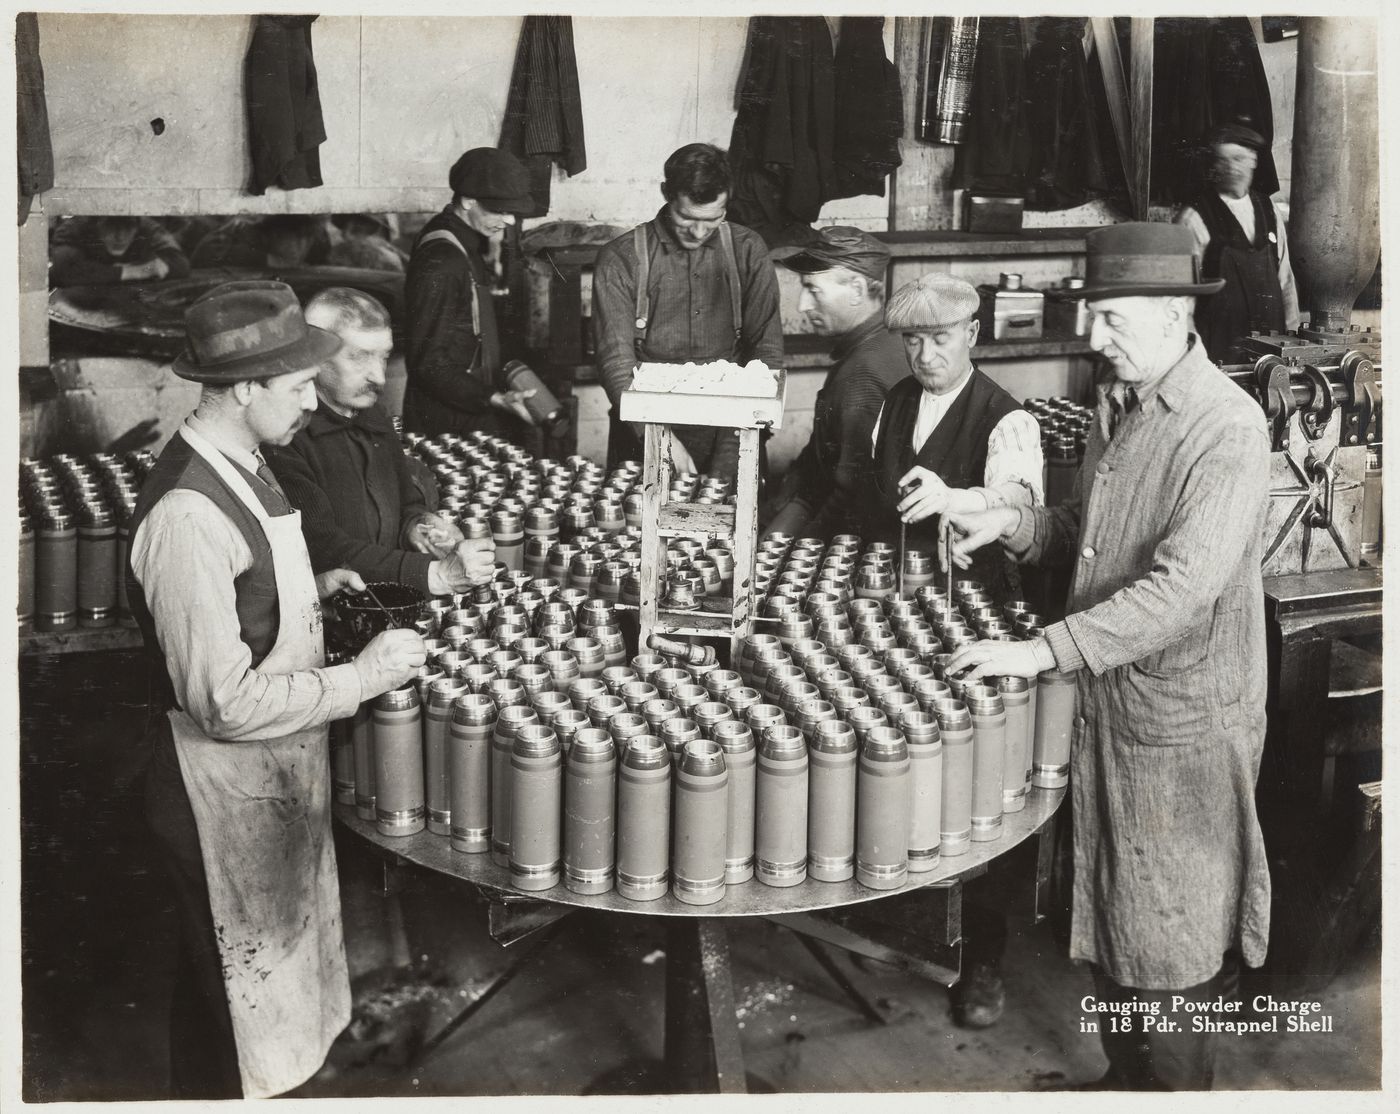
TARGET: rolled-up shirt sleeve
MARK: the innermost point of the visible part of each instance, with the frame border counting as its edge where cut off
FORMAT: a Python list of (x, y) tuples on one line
[(1014, 475), (186, 555)]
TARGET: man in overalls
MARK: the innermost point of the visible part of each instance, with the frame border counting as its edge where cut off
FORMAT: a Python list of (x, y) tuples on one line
[(237, 792), (1240, 237), (685, 287), (454, 354)]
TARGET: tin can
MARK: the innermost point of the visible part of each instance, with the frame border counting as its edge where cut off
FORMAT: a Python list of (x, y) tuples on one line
[(1054, 728), (437, 719), (469, 772), (509, 721), (644, 820), (781, 788), (400, 806), (56, 571), (926, 789), (590, 812), (831, 819), (700, 843), (883, 799), (537, 793), (988, 752), (955, 815), (1016, 699)]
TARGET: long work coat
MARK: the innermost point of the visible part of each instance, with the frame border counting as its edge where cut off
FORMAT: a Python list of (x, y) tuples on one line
[(1164, 534)]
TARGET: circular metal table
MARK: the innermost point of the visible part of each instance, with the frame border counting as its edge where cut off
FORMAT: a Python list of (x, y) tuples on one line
[(701, 1039)]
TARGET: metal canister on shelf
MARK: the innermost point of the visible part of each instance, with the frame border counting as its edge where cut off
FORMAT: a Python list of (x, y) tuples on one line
[(883, 798), (955, 812), (1054, 728), (590, 812), (926, 788), (537, 794), (1016, 699), (831, 819), (781, 785), (988, 752), (437, 719), (55, 570), (509, 720), (700, 841), (644, 819), (400, 805), (469, 772)]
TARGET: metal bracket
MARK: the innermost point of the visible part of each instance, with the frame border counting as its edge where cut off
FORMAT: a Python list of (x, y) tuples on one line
[(1317, 416), (1359, 374), (1276, 392)]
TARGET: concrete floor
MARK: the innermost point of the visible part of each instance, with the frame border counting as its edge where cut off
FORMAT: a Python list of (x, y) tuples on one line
[(97, 951)]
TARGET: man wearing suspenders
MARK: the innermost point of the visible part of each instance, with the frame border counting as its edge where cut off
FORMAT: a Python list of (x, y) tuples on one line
[(687, 286), (454, 353)]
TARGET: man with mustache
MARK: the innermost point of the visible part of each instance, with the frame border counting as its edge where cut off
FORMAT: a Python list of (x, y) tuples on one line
[(347, 474)]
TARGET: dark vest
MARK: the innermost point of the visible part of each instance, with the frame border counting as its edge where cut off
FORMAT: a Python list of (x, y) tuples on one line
[(957, 452), (255, 591), (1252, 298)]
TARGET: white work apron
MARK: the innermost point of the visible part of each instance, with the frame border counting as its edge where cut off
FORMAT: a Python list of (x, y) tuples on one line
[(263, 814)]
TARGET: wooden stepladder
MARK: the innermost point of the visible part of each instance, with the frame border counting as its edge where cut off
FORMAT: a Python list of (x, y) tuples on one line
[(734, 525)]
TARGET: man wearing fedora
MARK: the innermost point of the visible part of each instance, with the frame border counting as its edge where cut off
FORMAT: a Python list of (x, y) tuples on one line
[(1241, 238), (1165, 632), (454, 352), (843, 297), (948, 438), (236, 792)]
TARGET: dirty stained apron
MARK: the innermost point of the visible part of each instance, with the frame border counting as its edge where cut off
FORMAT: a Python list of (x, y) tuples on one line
[(263, 814)]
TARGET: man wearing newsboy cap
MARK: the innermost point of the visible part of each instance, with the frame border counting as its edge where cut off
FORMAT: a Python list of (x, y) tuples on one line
[(949, 439), (456, 356), (843, 297), (236, 793), (1241, 238), (1165, 633)]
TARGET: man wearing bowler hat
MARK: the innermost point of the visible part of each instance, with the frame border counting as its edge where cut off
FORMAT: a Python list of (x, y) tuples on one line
[(843, 296), (455, 354), (1165, 632), (948, 438), (1241, 238), (236, 793)]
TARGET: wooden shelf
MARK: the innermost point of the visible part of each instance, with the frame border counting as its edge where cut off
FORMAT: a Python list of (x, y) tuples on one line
[(806, 350), (83, 640)]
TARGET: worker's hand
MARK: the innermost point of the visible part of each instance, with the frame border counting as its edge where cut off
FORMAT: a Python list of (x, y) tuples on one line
[(513, 402), (332, 581), (434, 534), (681, 460), (1000, 659), (470, 564), (925, 494), (789, 520), (971, 531), (391, 659)]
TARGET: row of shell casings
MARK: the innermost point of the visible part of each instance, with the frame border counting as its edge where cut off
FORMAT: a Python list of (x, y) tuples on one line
[(1064, 430), (73, 539)]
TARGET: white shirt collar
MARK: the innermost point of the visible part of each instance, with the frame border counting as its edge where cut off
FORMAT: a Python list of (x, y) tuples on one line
[(932, 407), (249, 462)]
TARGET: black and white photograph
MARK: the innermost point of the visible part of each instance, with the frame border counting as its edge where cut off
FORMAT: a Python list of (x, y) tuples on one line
[(826, 550)]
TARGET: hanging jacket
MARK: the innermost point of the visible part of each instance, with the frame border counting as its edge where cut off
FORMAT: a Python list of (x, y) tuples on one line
[(997, 153), (34, 146), (285, 128), (869, 110), (543, 121)]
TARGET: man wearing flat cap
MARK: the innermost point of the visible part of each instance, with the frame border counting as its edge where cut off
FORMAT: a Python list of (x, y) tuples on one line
[(686, 286), (455, 354), (237, 790), (949, 439), (1165, 633), (843, 296), (1241, 239)]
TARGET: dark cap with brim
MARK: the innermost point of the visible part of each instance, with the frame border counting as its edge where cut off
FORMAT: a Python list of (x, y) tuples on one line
[(250, 330), (494, 179), (841, 246), (1143, 259)]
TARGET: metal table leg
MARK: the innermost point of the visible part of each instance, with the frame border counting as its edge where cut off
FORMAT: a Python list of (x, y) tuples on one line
[(702, 1034)]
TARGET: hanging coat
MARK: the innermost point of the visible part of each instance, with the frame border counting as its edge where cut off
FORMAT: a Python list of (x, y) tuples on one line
[(1205, 72), (869, 110), (780, 150), (285, 128), (543, 122), (34, 147), (997, 153)]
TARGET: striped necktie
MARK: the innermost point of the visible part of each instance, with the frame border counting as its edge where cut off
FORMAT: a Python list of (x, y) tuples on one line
[(281, 504)]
